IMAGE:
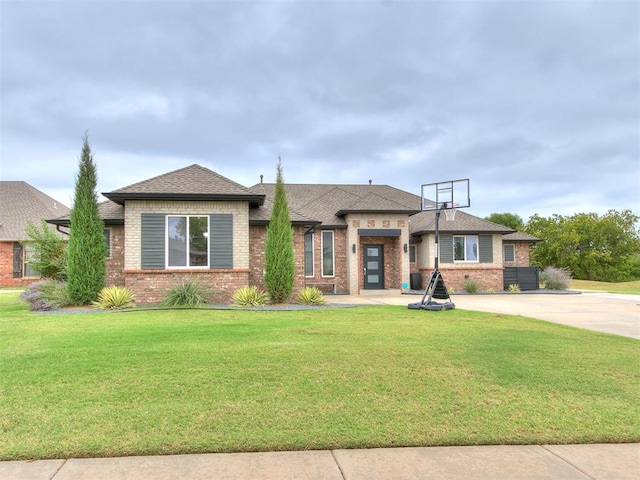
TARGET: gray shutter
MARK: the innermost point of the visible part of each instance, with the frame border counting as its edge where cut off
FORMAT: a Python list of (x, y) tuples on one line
[(221, 240), (446, 248), (485, 245), (17, 260), (153, 241)]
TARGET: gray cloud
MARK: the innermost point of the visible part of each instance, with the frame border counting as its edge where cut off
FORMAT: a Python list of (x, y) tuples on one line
[(538, 103)]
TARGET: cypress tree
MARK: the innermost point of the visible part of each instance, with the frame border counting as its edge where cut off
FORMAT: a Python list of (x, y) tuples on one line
[(87, 250), (279, 259)]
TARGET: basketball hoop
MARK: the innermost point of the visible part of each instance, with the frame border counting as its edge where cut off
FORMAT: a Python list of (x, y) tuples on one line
[(450, 213)]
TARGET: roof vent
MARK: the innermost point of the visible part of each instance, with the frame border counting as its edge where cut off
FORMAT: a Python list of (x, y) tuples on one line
[(261, 177), (370, 182)]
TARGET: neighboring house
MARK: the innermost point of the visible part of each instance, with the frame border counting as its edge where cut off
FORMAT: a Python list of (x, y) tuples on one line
[(193, 224), (21, 203)]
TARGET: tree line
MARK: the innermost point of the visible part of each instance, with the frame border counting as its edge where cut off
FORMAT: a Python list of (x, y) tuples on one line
[(592, 247)]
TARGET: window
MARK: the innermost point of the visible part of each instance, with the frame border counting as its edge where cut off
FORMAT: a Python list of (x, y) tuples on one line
[(27, 256), (187, 241), (465, 249), (412, 253), (509, 253), (107, 240), (328, 263), (308, 255)]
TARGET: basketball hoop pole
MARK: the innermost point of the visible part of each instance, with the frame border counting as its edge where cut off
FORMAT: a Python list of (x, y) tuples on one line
[(435, 261)]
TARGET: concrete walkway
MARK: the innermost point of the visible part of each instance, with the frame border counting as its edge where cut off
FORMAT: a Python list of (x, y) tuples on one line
[(599, 311), (530, 462)]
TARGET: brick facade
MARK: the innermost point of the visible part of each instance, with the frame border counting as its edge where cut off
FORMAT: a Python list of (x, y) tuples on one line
[(6, 268), (150, 286), (115, 262), (258, 236)]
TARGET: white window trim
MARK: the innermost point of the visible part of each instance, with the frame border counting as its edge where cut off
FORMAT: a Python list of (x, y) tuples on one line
[(504, 252), (477, 260), (333, 253), (166, 239), (313, 256), (27, 252)]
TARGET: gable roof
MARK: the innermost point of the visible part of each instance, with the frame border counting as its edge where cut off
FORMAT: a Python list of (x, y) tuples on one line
[(21, 203), (425, 222), (329, 203), (189, 183)]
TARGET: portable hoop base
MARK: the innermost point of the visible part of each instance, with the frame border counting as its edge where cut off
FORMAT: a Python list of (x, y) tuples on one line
[(435, 289)]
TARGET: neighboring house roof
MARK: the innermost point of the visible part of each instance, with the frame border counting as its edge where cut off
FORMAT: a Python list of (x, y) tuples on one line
[(519, 237), (190, 183), (425, 222), (327, 204), (21, 203)]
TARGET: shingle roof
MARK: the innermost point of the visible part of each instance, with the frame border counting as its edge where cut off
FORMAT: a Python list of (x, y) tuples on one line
[(328, 203), (20, 203), (424, 222), (110, 212), (189, 183), (519, 237)]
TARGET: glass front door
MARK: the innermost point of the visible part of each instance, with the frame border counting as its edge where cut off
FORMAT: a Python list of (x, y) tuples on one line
[(373, 266)]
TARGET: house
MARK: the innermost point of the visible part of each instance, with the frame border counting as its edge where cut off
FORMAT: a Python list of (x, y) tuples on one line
[(21, 203), (194, 224)]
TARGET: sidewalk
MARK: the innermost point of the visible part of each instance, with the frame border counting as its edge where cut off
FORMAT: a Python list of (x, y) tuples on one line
[(530, 462)]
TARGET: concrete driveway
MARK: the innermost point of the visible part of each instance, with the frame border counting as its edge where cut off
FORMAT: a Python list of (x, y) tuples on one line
[(602, 312)]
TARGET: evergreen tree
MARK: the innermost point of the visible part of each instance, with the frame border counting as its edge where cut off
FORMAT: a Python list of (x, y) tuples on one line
[(87, 250), (279, 259)]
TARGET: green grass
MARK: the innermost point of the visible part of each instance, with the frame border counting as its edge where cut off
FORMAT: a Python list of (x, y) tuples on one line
[(188, 381), (620, 287)]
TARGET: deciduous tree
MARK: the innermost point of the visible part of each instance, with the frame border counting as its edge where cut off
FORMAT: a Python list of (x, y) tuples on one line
[(593, 247)]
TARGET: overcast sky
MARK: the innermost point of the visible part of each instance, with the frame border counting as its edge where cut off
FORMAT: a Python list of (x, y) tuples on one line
[(537, 103)]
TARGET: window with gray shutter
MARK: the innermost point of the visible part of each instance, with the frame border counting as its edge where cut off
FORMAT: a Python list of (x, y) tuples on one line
[(221, 240), (17, 260), (486, 248), (153, 241), (445, 245)]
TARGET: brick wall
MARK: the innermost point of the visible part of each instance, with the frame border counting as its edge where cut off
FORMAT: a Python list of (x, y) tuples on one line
[(257, 238), (6, 268), (522, 254), (115, 262), (150, 286), (454, 278)]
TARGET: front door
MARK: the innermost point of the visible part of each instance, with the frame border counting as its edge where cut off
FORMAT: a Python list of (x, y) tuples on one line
[(373, 267)]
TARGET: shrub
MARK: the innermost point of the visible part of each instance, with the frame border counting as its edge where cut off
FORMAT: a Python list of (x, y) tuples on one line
[(555, 278), (114, 297), (187, 294), (46, 295), (471, 286), (514, 288), (311, 296), (491, 290), (249, 297), (279, 258), (87, 250)]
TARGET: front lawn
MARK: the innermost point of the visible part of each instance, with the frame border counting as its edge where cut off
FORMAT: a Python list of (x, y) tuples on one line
[(619, 287), (187, 381)]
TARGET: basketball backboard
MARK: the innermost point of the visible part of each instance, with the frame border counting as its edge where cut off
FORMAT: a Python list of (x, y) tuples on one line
[(445, 195)]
